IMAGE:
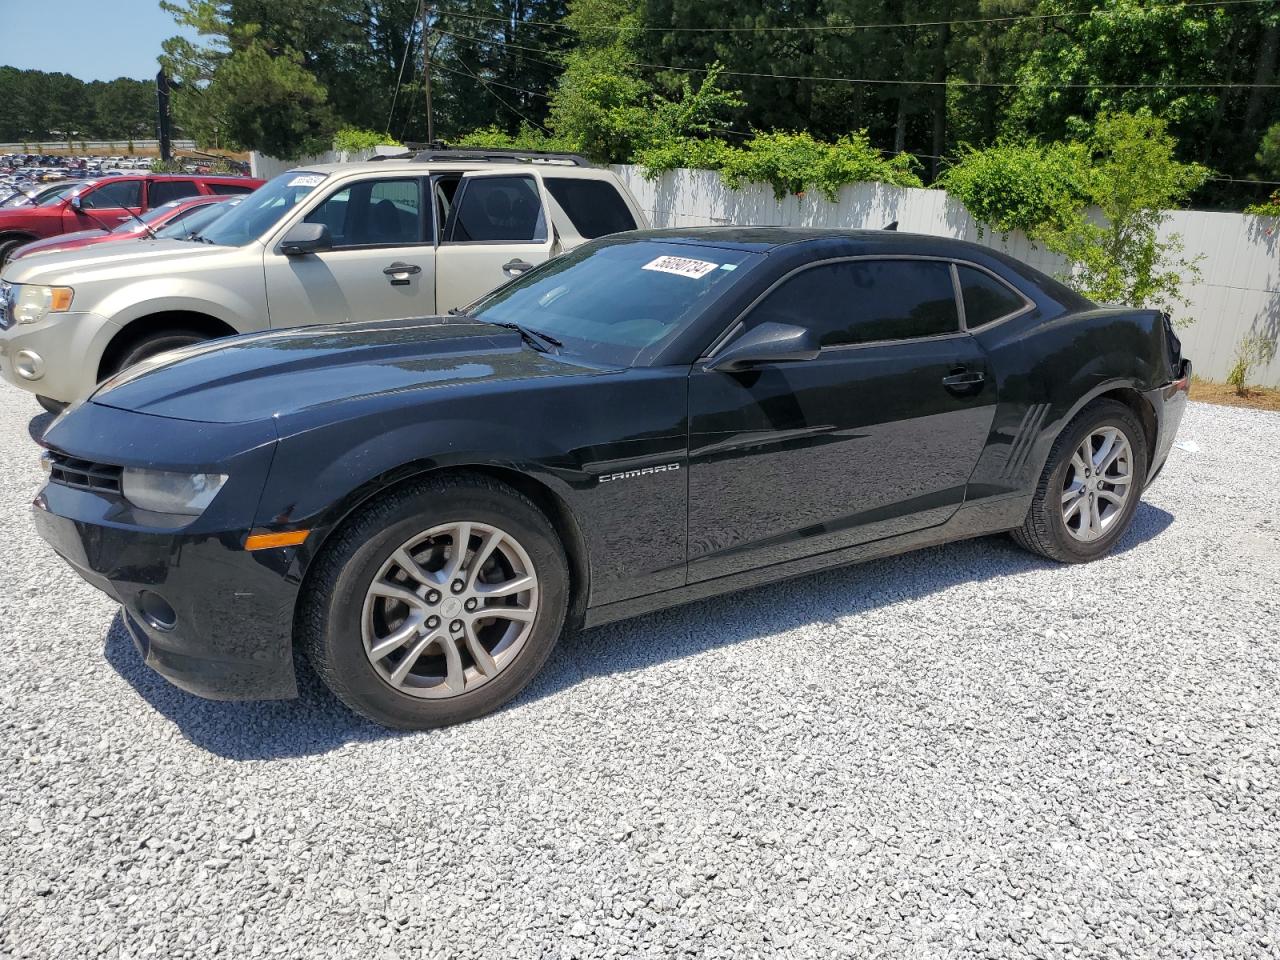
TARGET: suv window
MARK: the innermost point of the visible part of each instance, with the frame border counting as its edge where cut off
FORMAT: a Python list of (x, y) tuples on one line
[(374, 213), (594, 206), (862, 301), (497, 209), (113, 195), (229, 189), (162, 191), (986, 299)]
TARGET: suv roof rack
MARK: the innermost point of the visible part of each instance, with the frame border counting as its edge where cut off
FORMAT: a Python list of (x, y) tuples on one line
[(426, 154)]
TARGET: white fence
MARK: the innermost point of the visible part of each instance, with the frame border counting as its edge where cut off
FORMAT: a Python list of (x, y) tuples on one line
[(1238, 291)]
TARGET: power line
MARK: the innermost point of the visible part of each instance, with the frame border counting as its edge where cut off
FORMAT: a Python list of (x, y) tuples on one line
[(833, 27), (408, 46), (485, 84), (976, 84)]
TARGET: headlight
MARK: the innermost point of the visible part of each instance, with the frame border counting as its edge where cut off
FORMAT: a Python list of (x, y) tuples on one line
[(165, 492), (32, 302)]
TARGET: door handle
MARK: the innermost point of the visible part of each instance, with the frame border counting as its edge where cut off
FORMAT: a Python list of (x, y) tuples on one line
[(963, 381), (401, 272), (513, 268)]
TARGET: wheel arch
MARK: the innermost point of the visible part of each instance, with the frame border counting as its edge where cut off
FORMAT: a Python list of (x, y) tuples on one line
[(150, 324), (546, 499)]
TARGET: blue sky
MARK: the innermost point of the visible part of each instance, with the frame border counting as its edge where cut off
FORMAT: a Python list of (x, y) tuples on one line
[(89, 39)]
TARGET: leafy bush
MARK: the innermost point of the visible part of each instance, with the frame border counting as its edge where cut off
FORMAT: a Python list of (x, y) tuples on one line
[(528, 138), (355, 140), (792, 163), (1269, 207), (1020, 186)]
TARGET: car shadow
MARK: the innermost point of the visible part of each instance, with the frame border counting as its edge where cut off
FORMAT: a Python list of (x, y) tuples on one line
[(316, 723)]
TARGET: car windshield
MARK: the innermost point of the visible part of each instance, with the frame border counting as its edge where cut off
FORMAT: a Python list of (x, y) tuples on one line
[(613, 300), (262, 209), (152, 215), (195, 222)]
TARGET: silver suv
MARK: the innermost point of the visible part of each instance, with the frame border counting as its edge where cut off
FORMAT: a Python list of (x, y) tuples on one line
[(374, 240)]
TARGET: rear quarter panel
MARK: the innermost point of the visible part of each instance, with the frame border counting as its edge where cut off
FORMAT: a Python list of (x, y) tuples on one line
[(1047, 370)]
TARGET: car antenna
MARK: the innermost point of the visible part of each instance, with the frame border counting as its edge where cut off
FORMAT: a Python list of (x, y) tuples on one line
[(890, 226)]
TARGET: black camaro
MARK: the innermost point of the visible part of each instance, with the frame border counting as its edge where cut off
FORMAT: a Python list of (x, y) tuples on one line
[(425, 505)]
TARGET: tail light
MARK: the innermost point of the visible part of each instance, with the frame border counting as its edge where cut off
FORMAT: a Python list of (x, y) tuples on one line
[(1175, 347)]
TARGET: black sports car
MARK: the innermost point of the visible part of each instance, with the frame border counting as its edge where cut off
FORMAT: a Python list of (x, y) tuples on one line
[(425, 505)]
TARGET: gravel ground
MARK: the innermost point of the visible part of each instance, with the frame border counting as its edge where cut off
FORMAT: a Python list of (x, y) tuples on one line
[(961, 752)]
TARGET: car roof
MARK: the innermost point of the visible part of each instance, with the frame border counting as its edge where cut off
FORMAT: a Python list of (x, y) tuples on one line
[(461, 165), (763, 239)]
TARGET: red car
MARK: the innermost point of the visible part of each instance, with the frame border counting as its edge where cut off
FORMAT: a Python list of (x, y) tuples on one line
[(106, 203), (175, 211)]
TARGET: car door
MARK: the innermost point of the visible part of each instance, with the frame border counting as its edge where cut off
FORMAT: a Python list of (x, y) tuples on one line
[(104, 205), (381, 265), (497, 228), (876, 436)]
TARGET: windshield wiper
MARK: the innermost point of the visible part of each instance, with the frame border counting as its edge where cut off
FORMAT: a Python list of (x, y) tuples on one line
[(542, 342), (195, 237)]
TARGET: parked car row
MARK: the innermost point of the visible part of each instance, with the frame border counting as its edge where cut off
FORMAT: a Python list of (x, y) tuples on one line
[(605, 421)]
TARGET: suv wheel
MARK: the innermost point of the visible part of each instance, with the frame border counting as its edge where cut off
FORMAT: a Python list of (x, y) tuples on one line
[(1090, 487), (436, 604), (51, 405), (151, 345)]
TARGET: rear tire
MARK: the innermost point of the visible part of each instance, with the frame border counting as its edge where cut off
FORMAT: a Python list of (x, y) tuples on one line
[(1081, 508), (408, 540), (51, 405), (8, 245), (151, 345)]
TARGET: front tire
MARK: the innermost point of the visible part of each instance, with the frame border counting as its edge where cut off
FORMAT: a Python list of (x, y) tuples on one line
[(1090, 487), (151, 345), (51, 405), (436, 604)]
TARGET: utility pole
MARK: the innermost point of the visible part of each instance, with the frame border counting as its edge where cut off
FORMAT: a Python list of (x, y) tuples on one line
[(425, 13)]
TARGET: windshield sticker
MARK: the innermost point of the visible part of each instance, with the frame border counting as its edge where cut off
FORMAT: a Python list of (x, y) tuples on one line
[(307, 180), (681, 266)]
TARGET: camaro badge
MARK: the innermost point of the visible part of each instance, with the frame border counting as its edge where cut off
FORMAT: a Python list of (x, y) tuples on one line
[(643, 472)]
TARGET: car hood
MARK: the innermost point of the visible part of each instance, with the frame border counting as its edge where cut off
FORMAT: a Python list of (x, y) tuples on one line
[(49, 244), (138, 259), (282, 372)]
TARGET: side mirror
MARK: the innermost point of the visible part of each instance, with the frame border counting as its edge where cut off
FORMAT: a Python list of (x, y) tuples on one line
[(77, 205), (768, 343), (304, 238)]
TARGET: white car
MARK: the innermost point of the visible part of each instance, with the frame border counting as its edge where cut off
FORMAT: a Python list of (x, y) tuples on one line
[(373, 240)]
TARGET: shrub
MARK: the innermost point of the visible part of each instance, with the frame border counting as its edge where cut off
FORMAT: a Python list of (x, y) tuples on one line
[(1024, 186), (792, 163), (355, 140), (1253, 350), (1268, 208), (526, 139)]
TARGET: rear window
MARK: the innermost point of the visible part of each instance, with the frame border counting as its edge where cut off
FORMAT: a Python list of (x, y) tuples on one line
[(986, 299), (594, 206), (163, 191), (229, 189)]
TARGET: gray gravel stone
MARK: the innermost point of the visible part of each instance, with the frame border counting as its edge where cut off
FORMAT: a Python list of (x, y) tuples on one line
[(963, 752)]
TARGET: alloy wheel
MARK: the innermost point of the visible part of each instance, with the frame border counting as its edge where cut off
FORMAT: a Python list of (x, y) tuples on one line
[(449, 609), (1098, 484)]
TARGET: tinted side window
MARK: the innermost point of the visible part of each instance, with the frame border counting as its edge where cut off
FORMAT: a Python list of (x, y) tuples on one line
[(109, 196), (861, 301), (985, 298), (594, 206), (162, 191), (499, 209), (373, 213), (229, 189)]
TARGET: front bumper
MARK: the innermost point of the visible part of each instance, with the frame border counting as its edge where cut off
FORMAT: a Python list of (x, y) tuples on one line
[(225, 631), (60, 355)]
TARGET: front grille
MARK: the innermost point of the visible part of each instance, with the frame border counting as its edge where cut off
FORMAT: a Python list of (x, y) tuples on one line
[(84, 474)]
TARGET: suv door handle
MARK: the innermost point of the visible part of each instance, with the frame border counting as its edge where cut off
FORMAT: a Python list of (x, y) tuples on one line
[(963, 381), (401, 272), (513, 268)]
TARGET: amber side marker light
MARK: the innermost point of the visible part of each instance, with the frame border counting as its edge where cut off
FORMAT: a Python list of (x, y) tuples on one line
[(266, 541)]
